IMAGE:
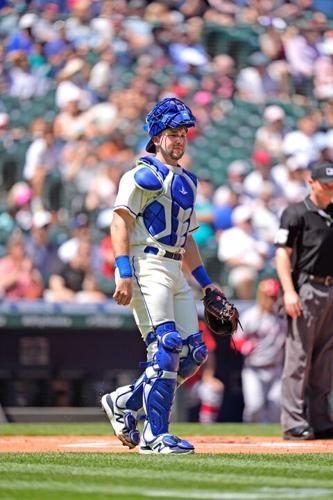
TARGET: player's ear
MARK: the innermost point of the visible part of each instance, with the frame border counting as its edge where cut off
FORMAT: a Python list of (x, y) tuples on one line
[(156, 140)]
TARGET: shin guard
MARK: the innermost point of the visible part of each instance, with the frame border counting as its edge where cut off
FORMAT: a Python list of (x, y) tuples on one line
[(160, 382)]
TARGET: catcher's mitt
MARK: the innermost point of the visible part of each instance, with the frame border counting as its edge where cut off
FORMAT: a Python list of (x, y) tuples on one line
[(221, 316)]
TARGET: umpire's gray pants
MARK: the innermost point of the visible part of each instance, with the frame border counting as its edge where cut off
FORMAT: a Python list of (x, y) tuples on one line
[(308, 368)]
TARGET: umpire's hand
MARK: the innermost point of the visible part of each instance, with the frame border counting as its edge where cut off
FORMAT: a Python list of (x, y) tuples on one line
[(292, 304), (124, 291)]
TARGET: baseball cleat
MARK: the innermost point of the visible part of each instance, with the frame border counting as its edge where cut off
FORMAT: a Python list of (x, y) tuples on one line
[(167, 444), (123, 422)]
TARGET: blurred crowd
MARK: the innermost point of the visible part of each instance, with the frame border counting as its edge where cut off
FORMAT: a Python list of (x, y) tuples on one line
[(77, 79)]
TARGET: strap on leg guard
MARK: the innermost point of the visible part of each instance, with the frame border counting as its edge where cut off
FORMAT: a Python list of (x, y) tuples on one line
[(159, 387), (196, 356), (135, 400)]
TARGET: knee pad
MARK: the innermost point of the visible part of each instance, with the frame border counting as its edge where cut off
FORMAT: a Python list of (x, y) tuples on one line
[(196, 356), (169, 346)]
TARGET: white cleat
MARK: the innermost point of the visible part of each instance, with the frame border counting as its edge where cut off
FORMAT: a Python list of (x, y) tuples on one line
[(123, 421), (167, 444)]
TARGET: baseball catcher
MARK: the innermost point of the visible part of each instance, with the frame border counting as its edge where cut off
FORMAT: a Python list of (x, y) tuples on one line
[(152, 226), (221, 316)]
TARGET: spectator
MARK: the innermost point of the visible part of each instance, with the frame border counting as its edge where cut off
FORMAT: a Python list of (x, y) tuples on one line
[(6, 136), (78, 27), (323, 70), (90, 293), (42, 251), (264, 214), (19, 205), (56, 52), (23, 82), (270, 137), (262, 344), (302, 51), (81, 171), (242, 253), (261, 80), (42, 158), (19, 279), (74, 276), (253, 182), (296, 187), (80, 231), (271, 40), (237, 172), (302, 140), (23, 39), (224, 75), (71, 123), (46, 28), (107, 258), (103, 75), (204, 212), (103, 188), (75, 74)]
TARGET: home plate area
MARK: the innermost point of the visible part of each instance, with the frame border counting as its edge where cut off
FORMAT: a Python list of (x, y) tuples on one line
[(203, 444)]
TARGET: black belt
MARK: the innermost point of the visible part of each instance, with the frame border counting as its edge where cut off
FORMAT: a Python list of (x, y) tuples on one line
[(168, 255), (320, 280)]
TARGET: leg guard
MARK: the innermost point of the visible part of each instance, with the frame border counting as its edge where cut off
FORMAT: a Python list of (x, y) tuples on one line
[(160, 382), (197, 354)]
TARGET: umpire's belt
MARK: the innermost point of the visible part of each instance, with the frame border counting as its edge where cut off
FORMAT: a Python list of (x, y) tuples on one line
[(168, 255), (320, 280)]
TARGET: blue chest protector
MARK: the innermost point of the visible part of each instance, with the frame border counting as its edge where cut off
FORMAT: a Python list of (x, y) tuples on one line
[(167, 217)]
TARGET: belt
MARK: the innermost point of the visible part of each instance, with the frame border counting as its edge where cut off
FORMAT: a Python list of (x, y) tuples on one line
[(167, 254), (321, 280)]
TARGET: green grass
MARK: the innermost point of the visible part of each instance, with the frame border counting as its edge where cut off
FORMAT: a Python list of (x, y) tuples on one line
[(130, 476)]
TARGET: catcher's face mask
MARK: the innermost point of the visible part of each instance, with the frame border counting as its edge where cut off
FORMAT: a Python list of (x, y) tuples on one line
[(167, 113)]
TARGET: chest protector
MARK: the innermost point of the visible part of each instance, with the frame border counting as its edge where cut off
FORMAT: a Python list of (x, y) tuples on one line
[(167, 215)]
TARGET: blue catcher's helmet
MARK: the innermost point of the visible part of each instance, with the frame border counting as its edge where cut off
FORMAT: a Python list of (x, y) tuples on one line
[(167, 113)]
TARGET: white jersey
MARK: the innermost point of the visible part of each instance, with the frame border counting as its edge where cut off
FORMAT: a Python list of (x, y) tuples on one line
[(163, 219), (268, 332)]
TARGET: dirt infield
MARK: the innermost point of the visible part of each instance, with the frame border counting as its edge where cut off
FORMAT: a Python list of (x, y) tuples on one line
[(203, 444)]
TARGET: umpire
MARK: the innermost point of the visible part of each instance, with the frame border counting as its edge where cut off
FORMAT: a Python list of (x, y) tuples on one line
[(304, 262)]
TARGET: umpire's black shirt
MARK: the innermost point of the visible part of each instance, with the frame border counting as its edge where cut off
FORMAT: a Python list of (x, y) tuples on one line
[(309, 231)]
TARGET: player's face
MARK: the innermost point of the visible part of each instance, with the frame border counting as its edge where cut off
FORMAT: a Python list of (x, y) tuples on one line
[(172, 144)]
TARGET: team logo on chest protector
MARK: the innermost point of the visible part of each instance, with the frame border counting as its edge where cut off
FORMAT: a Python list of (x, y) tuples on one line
[(167, 218)]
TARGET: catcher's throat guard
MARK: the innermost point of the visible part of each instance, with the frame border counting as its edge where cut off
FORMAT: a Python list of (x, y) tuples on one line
[(220, 315)]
